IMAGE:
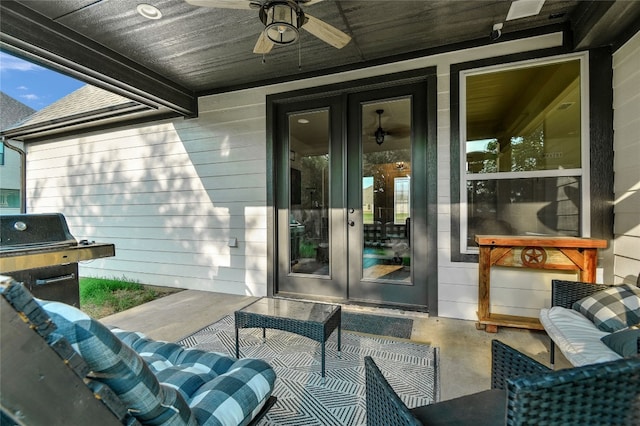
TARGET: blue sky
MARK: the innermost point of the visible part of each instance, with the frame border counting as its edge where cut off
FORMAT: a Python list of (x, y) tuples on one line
[(32, 84)]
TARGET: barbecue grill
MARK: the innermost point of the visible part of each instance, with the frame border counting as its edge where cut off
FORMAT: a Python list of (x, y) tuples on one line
[(39, 250)]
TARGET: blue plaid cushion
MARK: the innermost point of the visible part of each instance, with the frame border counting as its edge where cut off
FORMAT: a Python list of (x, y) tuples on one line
[(624, 342), (236, 396), (119, 367), (219, 389), (612, 309)]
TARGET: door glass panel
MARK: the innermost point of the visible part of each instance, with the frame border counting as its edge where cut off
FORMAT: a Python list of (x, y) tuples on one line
[(309, 193), (386, 190)]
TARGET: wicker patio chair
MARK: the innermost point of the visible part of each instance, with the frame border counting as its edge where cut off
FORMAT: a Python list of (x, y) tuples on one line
[(566, 293), (523, 392)]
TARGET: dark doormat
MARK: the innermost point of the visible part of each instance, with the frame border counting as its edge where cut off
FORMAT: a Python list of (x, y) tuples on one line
[(377, 324)]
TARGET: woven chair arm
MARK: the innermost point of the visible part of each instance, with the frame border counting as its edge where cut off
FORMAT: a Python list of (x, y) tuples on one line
[(508, 363), (603, 393), (384, 406), (565, 293)]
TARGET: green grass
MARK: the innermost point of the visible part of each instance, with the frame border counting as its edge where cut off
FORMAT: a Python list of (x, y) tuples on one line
[(100, 297)]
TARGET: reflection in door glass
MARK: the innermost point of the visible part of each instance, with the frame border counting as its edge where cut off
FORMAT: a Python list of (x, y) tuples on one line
[(386, 190), (309, 192)]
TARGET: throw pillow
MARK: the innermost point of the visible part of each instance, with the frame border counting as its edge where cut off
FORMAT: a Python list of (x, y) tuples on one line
[(120, 367), (624, 342), (612, 309)]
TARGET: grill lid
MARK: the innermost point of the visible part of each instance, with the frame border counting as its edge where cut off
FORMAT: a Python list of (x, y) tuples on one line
[(24, 231)]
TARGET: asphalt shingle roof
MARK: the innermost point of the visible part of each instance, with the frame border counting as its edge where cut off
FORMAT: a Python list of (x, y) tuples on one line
[(12, 111), (86, 99)]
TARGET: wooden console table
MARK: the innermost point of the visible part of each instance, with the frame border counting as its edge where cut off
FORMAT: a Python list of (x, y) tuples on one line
[(557, 253)]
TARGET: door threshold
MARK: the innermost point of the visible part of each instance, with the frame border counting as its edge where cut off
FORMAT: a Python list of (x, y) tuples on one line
[(354, 303)]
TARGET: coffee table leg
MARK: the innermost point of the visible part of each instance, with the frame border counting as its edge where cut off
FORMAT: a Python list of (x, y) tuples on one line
[(339, 342), (322, 362), (264, 335), (237, 344)]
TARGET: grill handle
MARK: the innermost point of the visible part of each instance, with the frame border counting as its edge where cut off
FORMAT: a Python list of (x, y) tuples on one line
[(56, 279)]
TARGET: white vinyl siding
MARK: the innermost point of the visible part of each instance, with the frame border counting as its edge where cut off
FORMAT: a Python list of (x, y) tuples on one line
[(626, 125), (169, 195)]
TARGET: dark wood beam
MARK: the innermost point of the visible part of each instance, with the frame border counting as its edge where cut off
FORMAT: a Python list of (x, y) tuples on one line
[(36, 37), (600, 23)]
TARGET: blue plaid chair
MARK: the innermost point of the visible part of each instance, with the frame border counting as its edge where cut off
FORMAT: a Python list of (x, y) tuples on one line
[(142, 381)]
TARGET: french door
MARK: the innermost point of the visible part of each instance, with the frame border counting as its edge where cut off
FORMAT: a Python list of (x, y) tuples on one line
[(311, 237), (351, 197)]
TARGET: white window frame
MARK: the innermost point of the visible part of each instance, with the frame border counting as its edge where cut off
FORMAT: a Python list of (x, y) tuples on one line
[(373, 205), (583, 172), (396, 180)]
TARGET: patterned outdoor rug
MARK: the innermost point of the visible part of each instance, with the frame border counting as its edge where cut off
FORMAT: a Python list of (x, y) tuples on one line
[(303, 399)]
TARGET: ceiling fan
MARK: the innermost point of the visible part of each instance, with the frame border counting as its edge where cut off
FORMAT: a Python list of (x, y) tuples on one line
[(381, 133), (282, 20)]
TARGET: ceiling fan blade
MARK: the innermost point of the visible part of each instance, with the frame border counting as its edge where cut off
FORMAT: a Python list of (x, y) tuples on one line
[(399, 131), (325, 32), (222, 4), (263, 45)]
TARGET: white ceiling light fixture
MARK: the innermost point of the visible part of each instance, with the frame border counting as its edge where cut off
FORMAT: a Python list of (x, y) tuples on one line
[(149, 11), (523, 8)]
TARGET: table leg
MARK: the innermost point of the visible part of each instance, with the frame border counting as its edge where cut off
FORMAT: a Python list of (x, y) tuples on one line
[(323, 361), (484, 286), (264, 335), (237, 344), (339, 341)]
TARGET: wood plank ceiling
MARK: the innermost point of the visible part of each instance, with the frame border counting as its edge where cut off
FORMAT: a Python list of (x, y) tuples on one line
[(193, 51)]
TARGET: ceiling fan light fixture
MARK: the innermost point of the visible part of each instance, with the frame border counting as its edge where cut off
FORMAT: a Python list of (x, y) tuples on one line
[(379, 134), (282, 20)]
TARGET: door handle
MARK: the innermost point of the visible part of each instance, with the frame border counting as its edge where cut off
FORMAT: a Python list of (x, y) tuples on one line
[(351, 223)]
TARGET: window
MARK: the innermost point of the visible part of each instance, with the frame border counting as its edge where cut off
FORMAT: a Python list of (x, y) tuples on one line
[(10, 198), (524, 151), (367, 199), (401, 197), (1, 154)]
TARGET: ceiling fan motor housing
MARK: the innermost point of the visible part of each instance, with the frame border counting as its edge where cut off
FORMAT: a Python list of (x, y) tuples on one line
[(282, 19)]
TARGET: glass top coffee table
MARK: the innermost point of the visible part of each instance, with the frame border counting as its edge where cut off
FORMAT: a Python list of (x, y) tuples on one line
[(316, 321)]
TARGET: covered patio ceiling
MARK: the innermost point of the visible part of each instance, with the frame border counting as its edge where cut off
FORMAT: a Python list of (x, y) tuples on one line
[(191, 51)]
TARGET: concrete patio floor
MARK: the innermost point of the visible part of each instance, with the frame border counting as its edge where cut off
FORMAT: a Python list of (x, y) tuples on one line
[(465, 355)]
